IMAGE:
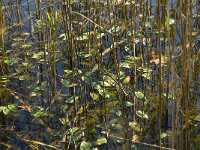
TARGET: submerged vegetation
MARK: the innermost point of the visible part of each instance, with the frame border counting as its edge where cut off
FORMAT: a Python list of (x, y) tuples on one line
[(100, 74)]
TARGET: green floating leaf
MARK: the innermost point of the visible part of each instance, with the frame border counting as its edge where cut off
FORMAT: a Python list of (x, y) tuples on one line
[(100, 35), (130, 59), (85, 36), (106, 51), (128, 103), (12, 107), (26, 45), (64, 120), (71, 99), (68, 72), (146, 75), (101, 140), (6, 111), (115, 29), (197, 118), (38, 55), (125, 65), (163, 135), (63, 35), (94, 96), (73, 130), (24, 77), (85, 145), (67, 83), (39, 112), (142, 114), (84, 55), (139, 94), (95, 68), (135, 126), (40, 23), (119, 113), (96, 86)]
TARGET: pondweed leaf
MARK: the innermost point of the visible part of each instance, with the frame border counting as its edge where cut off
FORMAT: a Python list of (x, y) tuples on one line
[(101, 140), (12, 107), (128, 103), (142, 114), (135, 126), (94, 95), (85, 145), (6, 111), (163, 135), (139, 94), (127, 80)]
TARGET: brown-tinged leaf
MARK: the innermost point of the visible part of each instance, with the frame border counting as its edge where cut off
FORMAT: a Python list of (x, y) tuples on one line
[(25, 106)]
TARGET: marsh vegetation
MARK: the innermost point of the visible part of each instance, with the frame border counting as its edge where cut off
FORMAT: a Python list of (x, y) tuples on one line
[(100, 74)]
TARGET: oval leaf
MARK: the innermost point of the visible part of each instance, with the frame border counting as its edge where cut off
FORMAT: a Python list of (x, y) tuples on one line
[(6, 111), (142, 114), (12, 107), (85, 145), (139, 94), (101, 140)]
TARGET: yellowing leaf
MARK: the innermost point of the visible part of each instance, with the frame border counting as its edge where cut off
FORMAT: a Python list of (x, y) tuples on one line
[(94, 96), (127, 80)]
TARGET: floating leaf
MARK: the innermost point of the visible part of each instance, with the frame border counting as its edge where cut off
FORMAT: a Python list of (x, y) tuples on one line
[(67, 83), (127, 80), (95, 68), (6, 111), (197, 118), (85, 145), (38, 55), (146, 75), (106, 51), (85, 36), (135, 138), (26, 45), (100, 35), (163, 135), (135, 126), (125, 65), (71, 99), (12, 107), (68, 72), (142, 114), (119, 113), (128, 103), (94, 96), (64, 120), (39, 112), (73, 130), (139, 94), (101, 140), (63, 35)]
